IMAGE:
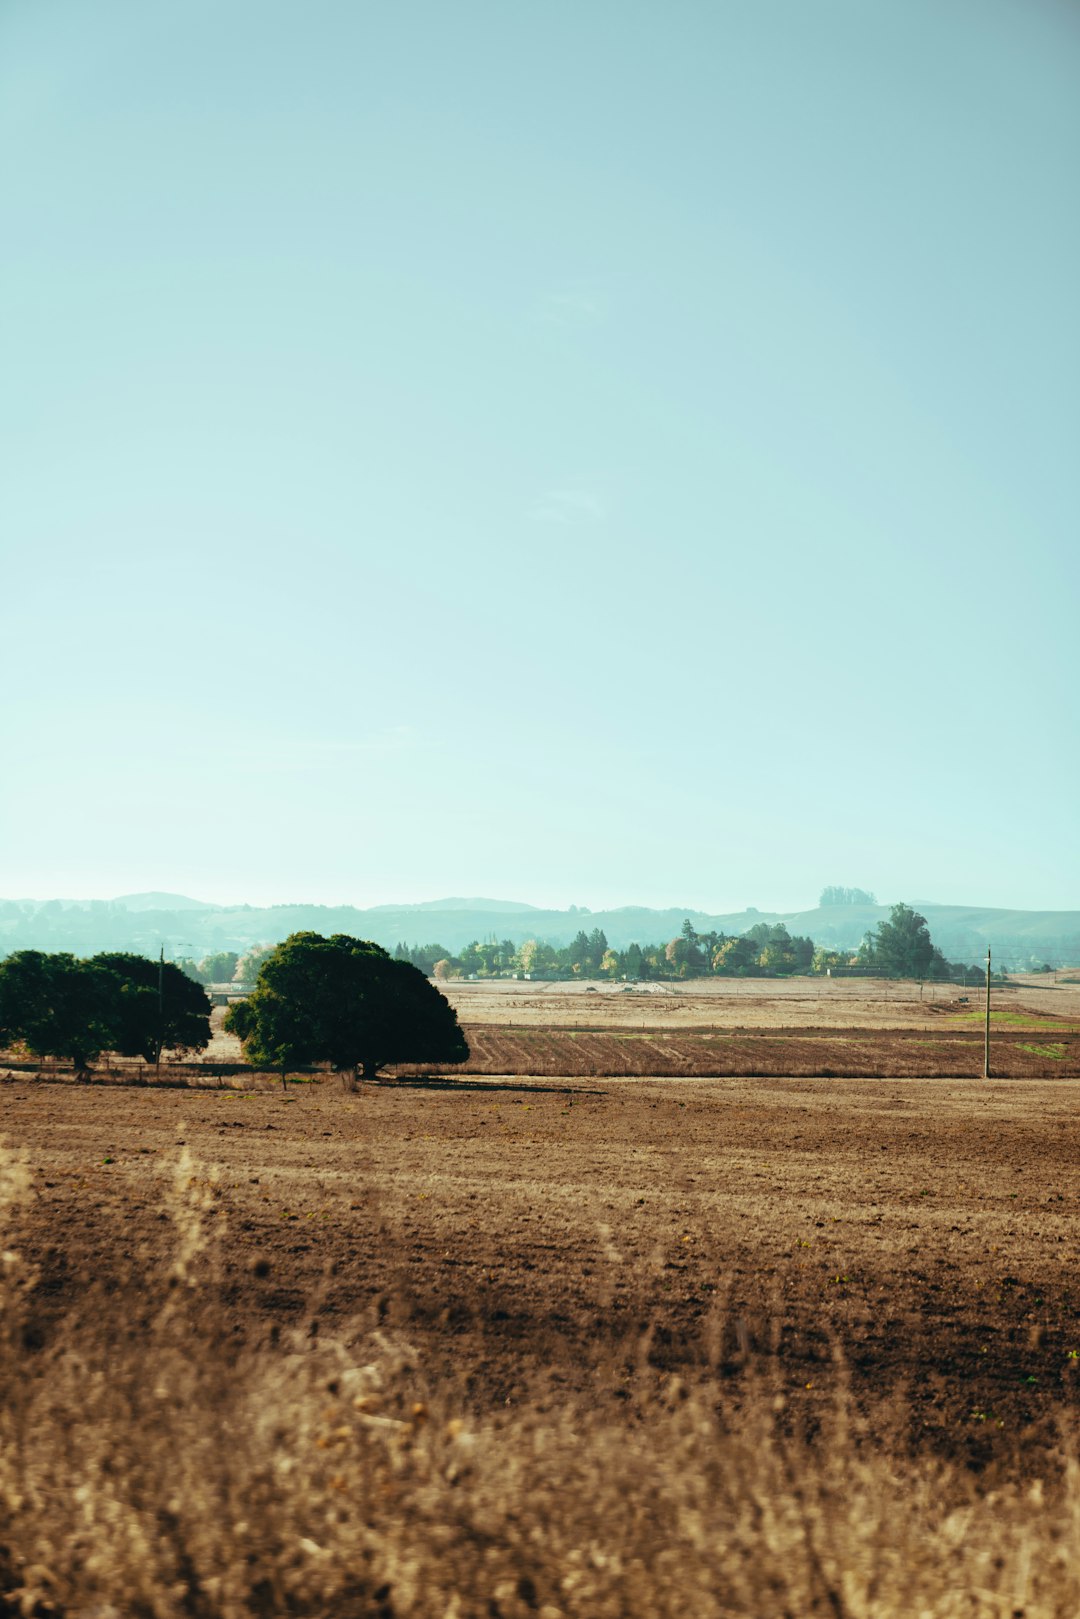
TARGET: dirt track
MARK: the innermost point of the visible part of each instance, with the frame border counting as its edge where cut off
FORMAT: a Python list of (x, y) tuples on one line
[(927, 1228)]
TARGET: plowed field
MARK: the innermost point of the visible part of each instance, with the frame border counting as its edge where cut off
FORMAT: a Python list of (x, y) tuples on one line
[(1049, 1049), (923, 1230)]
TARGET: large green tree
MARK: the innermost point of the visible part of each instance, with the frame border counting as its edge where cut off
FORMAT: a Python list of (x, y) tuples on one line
[(158, 1007), (58, 1006), (902, 947), (347, 1002)]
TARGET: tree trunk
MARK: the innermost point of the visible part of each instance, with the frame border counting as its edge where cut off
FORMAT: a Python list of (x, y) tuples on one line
[(350, 1079), (371, 1068)]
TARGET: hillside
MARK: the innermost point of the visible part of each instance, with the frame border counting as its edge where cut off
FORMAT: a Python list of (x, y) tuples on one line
[(186, 928)]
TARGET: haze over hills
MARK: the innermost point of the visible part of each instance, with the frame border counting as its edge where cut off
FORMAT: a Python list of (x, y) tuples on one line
[(188, 927), (160, 902), (495, 907)]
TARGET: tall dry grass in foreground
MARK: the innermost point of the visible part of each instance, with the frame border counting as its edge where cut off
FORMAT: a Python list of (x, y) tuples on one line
[(148, 1468)]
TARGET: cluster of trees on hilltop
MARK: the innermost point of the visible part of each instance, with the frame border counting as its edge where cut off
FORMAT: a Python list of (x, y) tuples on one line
[(899, 948)]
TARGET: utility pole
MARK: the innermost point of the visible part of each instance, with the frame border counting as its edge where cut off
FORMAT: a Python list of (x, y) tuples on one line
[(986, 1030), (160, 1011)]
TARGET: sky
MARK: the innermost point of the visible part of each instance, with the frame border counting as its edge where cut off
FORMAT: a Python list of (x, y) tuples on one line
[(584, 453)]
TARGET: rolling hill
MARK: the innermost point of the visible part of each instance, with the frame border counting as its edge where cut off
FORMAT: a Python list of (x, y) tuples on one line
[(186, 927)]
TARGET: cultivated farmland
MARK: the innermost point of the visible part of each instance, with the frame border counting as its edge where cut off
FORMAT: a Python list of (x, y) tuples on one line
[(568, 1344)]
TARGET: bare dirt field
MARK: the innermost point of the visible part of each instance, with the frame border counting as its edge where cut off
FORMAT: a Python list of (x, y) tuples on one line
[(731, 1027), (839, 1003), (801, 1026), (925, 1230), (755, 1346)]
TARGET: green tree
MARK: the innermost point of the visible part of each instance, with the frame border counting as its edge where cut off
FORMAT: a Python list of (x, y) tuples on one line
[(347, 1002), (158, 1007), (684, 957), (58, 1006), (902, 947), (823, 961), (424, 956), (220, 968), (777, 957), (536, 959), (737, 956), (247, 968)]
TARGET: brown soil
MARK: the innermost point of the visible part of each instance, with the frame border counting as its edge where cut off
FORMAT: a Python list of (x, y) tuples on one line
[(1045, 1051), (925, 1229)]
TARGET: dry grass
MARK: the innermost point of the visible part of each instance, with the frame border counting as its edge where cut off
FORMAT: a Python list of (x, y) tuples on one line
[(154, 1463), (838, 1003)]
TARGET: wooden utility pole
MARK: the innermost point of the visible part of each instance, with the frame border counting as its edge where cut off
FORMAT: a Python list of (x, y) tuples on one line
[(160, 1010), (986, 1036)]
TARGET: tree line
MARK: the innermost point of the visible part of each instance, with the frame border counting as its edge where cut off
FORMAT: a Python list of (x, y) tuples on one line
[(348, 1002), (341, 1001), (900, 947), (58, 1005)]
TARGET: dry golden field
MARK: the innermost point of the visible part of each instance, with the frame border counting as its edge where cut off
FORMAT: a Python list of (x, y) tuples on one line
[(754, 1346), (926, 1228), (839, 1003), (742, 1347)]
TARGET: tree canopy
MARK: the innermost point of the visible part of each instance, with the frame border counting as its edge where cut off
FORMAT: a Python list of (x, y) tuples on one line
[(347, 1002), (764, 950), (902, 947), (159, 1008), (58, 1006), (834, 894), (218, 968)]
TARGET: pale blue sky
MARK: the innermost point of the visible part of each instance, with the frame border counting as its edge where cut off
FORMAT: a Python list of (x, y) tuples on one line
[(593, 452)]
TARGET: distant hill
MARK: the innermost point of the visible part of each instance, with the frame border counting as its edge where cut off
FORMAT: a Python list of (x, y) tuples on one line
[(185, 927), (493, 907), (162, 902)]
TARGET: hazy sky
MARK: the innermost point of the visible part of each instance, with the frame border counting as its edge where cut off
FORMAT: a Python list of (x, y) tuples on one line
[(589, 452)]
